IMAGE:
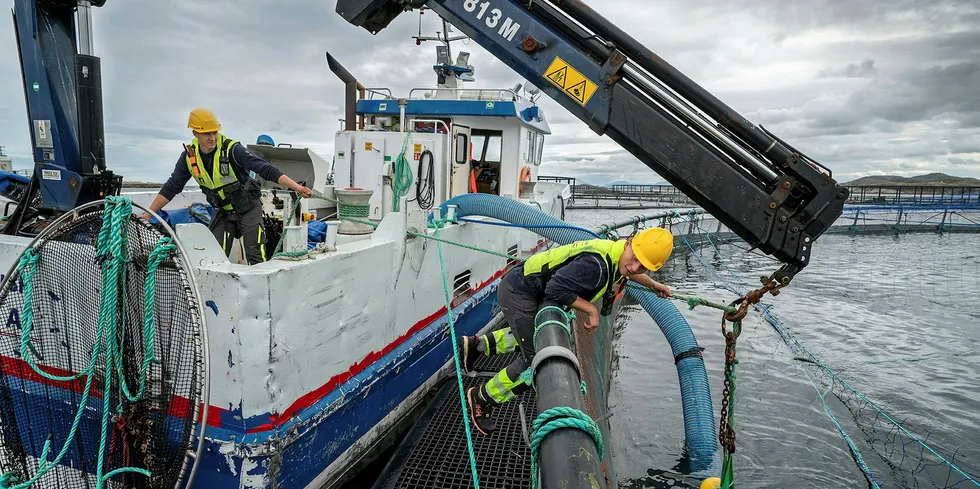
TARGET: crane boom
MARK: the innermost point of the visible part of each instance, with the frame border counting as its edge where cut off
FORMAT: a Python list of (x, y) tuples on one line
[(63, 93), (770, 194)]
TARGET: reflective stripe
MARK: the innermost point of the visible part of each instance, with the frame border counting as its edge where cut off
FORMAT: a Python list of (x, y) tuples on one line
[(224, 241), (261, 248), (505, 341), (501, 387)]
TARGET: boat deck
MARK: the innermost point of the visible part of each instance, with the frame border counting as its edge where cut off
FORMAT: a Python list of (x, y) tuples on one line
[(434, 452)]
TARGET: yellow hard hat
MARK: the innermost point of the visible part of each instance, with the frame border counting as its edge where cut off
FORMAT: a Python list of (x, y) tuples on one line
[(652, 247), (203, 120), (711, 483)]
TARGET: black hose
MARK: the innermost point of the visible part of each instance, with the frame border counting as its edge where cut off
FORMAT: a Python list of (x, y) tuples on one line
[(425, 188)]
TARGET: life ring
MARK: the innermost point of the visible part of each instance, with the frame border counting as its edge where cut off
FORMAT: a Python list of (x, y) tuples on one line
[(525, 177)]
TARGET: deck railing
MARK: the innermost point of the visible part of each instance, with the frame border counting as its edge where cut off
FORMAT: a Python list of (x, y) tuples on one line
[(628, 195), (917, 195)]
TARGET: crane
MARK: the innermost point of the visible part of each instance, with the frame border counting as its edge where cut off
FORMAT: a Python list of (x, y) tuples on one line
[(63, 90), (767, 192)]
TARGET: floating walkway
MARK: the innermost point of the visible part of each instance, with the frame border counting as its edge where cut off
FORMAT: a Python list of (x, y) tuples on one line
[(434, 452)]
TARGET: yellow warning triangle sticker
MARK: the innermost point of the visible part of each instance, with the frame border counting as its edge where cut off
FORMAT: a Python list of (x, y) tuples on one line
[(558, 76), (577, 91)]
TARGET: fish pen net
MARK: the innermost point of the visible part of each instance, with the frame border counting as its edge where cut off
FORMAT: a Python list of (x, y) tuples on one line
[(102, 356), (917, 290)]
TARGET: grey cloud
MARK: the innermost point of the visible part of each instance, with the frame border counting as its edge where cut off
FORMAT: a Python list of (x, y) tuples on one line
[(261, 67), (975, 162), (865, 69)]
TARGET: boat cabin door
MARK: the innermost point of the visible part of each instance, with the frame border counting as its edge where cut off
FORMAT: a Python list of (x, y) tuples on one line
[(459, 179)]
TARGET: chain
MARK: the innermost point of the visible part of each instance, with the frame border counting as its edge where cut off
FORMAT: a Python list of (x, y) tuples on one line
[(726, 432)]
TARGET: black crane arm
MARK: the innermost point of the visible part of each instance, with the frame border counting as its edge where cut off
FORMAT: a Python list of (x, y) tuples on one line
[(770, 194)]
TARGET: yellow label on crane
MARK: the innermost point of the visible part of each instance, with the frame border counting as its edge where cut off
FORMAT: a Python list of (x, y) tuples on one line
[(567, 78)]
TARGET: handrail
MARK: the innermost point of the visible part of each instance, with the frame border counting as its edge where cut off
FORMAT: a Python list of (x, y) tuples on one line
[(379, 91), (513, 95), (637, 220)]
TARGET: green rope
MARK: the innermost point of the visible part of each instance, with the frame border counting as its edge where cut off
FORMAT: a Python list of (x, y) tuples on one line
[(553, 322), (346, 211), (691, 300), (554, 419), (7, 478), (459, 374), (112, 245), (403, 176)]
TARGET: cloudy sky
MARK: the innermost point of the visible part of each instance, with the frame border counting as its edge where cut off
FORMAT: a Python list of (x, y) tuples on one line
[(863, 86)]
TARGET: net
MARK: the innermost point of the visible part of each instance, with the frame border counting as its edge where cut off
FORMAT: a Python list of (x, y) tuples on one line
[(102, 368), (893, 441)]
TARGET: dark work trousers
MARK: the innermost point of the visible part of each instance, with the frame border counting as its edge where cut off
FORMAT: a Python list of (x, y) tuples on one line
[(519, 309), (228, 225)]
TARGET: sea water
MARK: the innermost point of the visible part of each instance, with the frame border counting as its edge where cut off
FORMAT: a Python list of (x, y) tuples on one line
[(895, 317)]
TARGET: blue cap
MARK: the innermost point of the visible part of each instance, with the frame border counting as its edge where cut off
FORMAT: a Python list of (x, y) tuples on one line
[(265, 139)]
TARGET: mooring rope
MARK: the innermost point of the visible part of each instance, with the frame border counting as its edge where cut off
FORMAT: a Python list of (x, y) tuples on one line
[(459, 373)]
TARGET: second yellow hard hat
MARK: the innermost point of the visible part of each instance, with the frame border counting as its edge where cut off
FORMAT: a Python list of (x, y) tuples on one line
[(652, 247)]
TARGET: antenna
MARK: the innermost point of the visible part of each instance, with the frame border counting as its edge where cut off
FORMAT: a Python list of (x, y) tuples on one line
[(442, 36)]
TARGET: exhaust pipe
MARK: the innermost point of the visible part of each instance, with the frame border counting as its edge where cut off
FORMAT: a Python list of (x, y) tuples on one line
[(351, 89)]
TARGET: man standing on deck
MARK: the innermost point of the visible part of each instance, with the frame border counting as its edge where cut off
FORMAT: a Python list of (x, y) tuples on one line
[(221, 167), (571, 276)]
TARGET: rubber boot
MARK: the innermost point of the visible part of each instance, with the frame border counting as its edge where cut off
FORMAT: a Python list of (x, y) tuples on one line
[(479, 410)]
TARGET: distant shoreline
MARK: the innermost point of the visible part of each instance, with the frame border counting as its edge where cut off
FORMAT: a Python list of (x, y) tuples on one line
[(141, 184)]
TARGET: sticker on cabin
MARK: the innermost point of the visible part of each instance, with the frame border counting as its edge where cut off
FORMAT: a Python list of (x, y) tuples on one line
[(418, 152), (368, 146), (382, 106), (51, 174), (567, 78), (418, 148), (490, 105)]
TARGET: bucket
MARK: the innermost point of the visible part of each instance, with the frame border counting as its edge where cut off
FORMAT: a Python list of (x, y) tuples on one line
[(354, 204)]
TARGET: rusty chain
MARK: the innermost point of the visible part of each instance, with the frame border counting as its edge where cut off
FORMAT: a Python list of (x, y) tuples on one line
[(726, 431)]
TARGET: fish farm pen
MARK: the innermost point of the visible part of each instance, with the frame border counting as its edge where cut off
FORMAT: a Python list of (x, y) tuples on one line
[(436, 453), (629, 196)]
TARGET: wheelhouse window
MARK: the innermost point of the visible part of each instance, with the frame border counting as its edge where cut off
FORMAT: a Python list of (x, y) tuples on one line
[(462, 147), (485, 165)]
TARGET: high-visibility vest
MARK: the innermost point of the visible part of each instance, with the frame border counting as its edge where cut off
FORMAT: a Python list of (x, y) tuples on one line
[(539, 269), (221, 184)]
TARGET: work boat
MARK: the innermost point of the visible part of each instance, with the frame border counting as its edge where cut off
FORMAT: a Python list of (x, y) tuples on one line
[(317, 354)]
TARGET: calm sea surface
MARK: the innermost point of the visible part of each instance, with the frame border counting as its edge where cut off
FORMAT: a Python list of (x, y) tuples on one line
[(895, 317)]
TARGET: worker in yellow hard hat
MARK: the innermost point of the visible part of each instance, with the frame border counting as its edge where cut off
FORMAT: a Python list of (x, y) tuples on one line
[(571, 276), (221, 167)]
